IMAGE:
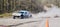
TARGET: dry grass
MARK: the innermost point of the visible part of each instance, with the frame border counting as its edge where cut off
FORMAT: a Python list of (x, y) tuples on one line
[(49, 5), (6, 15)]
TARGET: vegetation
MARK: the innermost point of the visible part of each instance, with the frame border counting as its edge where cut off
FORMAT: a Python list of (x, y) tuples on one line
[(35, 6), (7, 6), (55, 2)]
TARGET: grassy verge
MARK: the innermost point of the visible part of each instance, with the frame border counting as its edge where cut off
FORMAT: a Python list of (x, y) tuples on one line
[(6, 15)]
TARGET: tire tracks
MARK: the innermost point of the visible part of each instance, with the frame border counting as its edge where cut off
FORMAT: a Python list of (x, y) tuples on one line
[(25, 23)]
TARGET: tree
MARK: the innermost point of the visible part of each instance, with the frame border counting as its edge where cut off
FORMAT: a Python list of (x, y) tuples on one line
[(14, 5)]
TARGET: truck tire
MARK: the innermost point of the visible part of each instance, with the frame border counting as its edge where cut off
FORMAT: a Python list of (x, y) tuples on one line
[(30, 15)]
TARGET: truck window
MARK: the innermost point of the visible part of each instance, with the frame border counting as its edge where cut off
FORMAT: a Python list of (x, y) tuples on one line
[(25, 12)]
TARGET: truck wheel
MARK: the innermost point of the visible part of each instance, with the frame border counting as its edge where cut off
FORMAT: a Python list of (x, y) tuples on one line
[(30, 15), (14, 17)]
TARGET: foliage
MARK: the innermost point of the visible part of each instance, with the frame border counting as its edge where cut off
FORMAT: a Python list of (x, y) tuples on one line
[(14, 5)]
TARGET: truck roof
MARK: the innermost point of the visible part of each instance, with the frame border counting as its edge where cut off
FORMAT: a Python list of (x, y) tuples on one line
[(23, 11)]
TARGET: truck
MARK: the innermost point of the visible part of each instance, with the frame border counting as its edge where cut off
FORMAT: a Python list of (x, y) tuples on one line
[(26, 14)]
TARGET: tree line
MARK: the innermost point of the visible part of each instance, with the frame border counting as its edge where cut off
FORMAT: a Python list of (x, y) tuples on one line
[(7, 6)]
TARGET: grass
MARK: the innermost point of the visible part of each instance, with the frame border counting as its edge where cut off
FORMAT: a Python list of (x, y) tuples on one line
[(6, 15)]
